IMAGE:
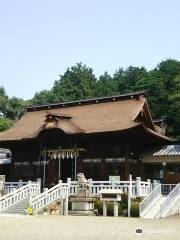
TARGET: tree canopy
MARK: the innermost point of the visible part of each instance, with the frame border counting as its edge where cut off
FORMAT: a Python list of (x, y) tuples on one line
[(80, 82)]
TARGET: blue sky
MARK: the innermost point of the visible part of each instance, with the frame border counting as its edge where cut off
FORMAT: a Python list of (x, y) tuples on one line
[(39, 39)]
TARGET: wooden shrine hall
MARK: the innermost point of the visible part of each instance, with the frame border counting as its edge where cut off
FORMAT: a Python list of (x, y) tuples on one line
[(100, 137)]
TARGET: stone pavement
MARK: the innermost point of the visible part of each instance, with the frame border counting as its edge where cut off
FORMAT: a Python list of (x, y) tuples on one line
[(87, 228)]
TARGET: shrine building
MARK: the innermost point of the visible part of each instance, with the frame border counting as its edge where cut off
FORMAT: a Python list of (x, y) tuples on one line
[(101, 137)]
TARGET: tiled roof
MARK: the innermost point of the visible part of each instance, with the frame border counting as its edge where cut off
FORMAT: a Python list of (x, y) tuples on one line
[(170, 150)]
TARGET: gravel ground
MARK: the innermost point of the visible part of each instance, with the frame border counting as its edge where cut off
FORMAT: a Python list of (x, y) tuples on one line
[(73, 227)]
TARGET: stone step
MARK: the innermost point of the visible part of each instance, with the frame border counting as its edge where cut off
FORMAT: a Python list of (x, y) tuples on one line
[(18, 208), (154, 210), (16, 211)]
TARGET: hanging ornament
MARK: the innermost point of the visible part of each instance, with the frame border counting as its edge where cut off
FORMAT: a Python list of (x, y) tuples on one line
[(54, 155)]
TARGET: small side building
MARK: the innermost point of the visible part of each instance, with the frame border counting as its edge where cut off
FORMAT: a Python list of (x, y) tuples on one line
[(163, 163)]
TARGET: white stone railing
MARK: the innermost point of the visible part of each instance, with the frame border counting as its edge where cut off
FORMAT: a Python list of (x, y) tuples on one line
[(148, 201), (139, 188), (59, 191), (10, 199), (170, 202), (167, 188), (12, 186)]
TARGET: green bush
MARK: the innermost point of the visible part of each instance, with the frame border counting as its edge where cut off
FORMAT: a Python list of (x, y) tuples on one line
[(110, 207), (124, 198), (139, 199), (99, 206), (135, 209), (122, 206)]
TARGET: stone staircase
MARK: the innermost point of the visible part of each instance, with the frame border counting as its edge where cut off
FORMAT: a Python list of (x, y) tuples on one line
[(162, 202), (153, 211), (17, 201), (19, 208)]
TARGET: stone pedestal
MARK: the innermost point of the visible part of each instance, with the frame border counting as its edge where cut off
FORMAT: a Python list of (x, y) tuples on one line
[(82, 201), (82, 206)]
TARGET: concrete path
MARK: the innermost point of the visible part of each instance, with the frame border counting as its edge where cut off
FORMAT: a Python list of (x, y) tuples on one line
[(87, 228)]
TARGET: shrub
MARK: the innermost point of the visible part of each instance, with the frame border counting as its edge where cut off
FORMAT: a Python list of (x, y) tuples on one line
[(122, 206), (110, 207), (124, 198), (99, 206), (135, 209), (139, 199)]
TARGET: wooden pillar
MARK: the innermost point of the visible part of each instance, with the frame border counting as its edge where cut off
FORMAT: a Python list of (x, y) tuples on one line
[(142, 170), (126, 168), (164, 172), (44, 169), (75, 167), (59, 168), (103, 169), (126, 163)]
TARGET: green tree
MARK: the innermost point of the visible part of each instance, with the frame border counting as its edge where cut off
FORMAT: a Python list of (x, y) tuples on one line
[(106, 85), (5, 124), (78, 82), (3, 101), (43, 97), (174, 109), (15, 108), (128, 79), (169, 69)]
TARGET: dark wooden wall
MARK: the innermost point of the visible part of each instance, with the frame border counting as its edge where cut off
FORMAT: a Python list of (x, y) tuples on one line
[(105, 155)]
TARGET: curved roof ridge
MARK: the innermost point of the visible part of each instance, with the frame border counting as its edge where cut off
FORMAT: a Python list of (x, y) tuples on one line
[(157, 134)]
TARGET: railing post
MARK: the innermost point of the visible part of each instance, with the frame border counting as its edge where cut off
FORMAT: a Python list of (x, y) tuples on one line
[(61, 197), (150, 187), (129, 195), (30, 201), (66, 204), (30, 193), (154, 183), (61, 210), (90, 185), (39, 182), (69, 185), (20, 183), (45, 189), (138, 186), (112, 184), (30, 188)]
